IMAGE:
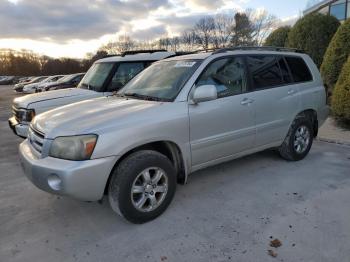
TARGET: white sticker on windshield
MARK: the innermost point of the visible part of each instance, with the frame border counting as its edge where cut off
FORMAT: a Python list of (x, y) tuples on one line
[(184, 64)]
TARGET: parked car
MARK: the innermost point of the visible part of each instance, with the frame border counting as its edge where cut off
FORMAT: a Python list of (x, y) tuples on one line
[(179, 115), (104, 77), (65, 82), (33, 87), (19, 87), (48, 81), (7, 80)]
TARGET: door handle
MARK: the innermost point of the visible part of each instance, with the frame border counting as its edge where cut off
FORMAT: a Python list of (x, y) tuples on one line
[(291, 91), (247, 101)]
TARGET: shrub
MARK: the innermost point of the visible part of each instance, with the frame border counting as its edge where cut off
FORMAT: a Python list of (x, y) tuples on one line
[(336, 55), (312, 33), (341, 94), (278, 37)]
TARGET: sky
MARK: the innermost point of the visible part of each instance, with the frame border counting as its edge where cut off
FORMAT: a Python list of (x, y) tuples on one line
[(73, 28)]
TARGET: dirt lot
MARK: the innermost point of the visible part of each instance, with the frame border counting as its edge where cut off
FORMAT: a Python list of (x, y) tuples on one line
[(230, 212)]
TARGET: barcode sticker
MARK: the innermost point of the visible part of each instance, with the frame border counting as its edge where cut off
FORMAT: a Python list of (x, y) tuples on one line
[(184, 64)]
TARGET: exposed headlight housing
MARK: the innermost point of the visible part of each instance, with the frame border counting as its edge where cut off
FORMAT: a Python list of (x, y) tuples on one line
[(25, 115), (76, 148)]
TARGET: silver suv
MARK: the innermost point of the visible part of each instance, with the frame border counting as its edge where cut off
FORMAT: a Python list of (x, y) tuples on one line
[(179, 115)]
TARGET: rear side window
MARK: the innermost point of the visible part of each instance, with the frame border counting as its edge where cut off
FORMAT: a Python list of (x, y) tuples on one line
[(299, 69), (265, 71)]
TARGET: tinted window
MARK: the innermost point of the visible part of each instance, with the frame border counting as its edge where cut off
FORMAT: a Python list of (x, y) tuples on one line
[(124, 73), (299, 69), (265, 71), (284, 70), (228, 75)]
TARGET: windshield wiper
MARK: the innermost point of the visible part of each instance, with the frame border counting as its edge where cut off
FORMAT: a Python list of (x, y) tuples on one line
[(144, 97)]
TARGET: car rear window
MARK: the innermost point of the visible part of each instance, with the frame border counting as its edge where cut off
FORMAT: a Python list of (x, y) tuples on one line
[(299, 69)]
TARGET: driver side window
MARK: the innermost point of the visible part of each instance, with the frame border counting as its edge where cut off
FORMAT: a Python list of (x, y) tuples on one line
[(124, 73), (228, 75)]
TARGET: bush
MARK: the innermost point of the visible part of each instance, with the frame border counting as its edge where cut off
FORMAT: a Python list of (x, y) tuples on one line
[(336, 55), (341, 94), (278, 37), (312, 33)]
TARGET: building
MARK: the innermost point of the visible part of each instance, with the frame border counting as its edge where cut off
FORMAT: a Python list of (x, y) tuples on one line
[(338, 8)]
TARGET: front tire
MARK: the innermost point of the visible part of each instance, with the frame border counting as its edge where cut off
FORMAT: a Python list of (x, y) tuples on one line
[(142, 186), (298, 141)]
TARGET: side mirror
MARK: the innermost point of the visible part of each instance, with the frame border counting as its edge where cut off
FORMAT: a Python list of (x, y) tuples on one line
[(204, 93)]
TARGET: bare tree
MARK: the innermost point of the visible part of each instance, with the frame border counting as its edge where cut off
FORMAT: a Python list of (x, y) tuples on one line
[(188, 40), (263, 24), (223, 30), (204, 30)]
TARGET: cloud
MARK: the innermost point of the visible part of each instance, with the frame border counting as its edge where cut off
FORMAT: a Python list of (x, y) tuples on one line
[(150, 33), (74, 19)]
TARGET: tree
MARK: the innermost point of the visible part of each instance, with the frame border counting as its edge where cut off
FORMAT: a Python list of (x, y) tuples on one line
[(188, 40), (313, 33), (278, 37), (341, 94), (242, 31), (262, 22), (336, 55), (204, 30), (222, 30)]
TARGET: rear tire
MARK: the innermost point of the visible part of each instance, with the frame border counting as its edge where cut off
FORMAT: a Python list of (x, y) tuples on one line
[(142, 186), (298, 141)]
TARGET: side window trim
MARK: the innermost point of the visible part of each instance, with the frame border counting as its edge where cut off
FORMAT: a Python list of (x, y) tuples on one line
[(247, 88)]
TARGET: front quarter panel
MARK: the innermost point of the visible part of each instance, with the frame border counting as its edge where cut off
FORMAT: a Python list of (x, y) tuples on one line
[(167, 122)]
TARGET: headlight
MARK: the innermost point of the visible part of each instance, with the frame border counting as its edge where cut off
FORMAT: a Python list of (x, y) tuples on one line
[(25, 115), (73, 147)]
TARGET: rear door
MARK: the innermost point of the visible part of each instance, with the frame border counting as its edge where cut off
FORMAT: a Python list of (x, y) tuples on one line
[(275, 97), (225, 126)]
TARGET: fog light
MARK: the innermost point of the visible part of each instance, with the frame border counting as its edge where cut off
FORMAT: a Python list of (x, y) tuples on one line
[(54, 182)]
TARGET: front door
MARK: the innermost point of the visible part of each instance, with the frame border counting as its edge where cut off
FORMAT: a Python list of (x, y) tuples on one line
[(225, 126)]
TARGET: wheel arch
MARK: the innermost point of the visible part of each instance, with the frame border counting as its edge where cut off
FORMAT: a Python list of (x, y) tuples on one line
[(168, 148), (312, 115)]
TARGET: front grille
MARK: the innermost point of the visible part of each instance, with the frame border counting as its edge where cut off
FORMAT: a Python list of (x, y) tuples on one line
[(36, 139)]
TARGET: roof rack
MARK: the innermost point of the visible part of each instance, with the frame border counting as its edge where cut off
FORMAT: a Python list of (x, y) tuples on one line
[(259, 48), (134, 52)]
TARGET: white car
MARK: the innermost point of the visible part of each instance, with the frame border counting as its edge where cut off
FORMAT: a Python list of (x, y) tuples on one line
[(48, 81), (105, 77), (33, 88)]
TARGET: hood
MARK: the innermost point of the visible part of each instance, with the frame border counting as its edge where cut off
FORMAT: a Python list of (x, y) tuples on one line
[(91, 116), (31, 85), (25, 101)]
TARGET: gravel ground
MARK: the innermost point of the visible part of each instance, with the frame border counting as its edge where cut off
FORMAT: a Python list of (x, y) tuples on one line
[(229, 212)]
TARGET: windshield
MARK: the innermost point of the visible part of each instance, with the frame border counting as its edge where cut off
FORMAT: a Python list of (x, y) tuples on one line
[(161, 81), (96, 76), (66, 78)]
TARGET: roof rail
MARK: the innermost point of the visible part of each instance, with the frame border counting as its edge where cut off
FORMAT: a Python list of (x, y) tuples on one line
[(134, 52), (259, 48)]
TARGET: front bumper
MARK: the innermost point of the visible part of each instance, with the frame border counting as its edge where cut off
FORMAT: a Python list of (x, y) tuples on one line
[(84, 180), (19, 129)]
